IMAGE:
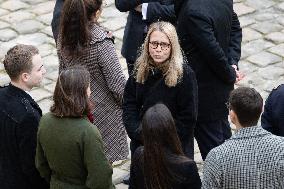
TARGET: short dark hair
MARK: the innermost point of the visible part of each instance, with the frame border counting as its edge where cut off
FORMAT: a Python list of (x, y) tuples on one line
[(19, 59), (70, 94), (247, 104)]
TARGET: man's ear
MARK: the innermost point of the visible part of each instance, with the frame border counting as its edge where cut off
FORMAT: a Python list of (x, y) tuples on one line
[(233, 116), (25, 77)]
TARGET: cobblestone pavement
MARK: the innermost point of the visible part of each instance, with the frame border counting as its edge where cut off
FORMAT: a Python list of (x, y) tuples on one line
[(28, 22)]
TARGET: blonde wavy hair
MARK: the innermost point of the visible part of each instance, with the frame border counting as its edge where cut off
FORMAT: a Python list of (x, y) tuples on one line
[(175, 69)]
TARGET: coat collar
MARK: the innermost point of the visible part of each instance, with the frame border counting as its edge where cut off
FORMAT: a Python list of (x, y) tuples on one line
[(249, 132), (15, 91)]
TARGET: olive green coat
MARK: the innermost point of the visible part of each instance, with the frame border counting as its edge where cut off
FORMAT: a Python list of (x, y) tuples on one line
[(70, 154)]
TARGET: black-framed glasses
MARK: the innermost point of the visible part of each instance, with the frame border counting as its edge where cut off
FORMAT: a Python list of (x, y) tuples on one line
[(163, 45)]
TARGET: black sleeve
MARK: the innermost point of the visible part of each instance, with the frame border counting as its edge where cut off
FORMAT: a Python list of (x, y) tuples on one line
[(126, 5), (201, 33), (136, 180), (193, 179), (187, 103), (267, 117), (131, 110), (157, 11), (234, 53), (27, 139)]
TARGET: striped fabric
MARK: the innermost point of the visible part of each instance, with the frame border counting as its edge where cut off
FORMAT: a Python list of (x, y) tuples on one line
[(107, 86)]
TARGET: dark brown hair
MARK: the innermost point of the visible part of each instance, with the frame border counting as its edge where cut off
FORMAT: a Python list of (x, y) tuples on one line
[(19, 60), (70, 94), (162, 148), (75, 24), (247, 104)]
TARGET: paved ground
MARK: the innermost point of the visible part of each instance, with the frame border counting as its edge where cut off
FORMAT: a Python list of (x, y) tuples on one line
[(28, 22)]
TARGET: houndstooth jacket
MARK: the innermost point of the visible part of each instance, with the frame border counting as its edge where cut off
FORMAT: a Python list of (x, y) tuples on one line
[(107, 86), (251, 159)]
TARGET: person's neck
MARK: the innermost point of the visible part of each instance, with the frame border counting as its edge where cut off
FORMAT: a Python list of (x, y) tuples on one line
[(238, 126), (20, 86)]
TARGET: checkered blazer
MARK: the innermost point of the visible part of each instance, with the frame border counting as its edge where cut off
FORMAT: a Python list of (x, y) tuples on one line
[(107, 86), (251, 159)]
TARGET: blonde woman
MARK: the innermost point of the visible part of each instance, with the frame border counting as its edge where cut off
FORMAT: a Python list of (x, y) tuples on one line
[(161, 76)]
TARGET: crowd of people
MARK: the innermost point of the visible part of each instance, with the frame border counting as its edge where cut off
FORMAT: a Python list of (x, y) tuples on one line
[(182, 59)]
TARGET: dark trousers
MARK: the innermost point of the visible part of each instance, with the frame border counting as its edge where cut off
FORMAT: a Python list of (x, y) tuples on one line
[(211, 134)]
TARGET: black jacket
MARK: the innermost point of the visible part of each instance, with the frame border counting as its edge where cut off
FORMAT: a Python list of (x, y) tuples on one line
[(19, 119), (56, 18), (181, 101), (186, 170), (272, 118), (135, 27), (210, 35)]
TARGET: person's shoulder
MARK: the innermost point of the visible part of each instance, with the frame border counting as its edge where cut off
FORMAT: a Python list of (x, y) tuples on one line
[(3, 89), (275, 140), (220, 151), (99, 34), (187, 69), (278, 90), (48, 117)]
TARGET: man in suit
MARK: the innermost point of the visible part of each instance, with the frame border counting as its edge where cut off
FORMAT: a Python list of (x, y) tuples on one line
[(141, 15), (210, 36), (19, 119), (252, 157)]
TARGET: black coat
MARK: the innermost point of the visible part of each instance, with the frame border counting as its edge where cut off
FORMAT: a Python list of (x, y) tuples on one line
[(210, 35), (272, 118), (135, 27), (19, 119), (181, 101), (187, 170), (56, 18)]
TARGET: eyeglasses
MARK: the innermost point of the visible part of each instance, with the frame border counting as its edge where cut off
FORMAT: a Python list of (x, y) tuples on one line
[(163, 45)]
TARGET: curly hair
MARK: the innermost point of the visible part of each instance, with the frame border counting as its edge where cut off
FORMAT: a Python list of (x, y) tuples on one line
[(19, 59), (175, 68)]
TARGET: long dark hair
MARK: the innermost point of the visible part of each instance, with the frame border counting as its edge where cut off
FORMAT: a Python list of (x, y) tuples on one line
[(75, 24), (162, 148), (70, 94)]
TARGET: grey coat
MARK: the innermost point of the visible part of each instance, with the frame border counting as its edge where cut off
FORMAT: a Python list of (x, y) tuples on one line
[(107, 86)]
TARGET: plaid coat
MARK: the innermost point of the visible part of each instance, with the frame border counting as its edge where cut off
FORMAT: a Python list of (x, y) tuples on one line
[(251, 159), (107, 86)]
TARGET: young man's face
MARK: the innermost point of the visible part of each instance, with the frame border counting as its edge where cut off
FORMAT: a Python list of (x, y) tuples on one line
[(34, 78)]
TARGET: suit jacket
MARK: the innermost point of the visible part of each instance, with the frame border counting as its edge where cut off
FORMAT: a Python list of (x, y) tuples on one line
[(272, 118), (210, 35), (135, 26), (252, 158), (19, 118)]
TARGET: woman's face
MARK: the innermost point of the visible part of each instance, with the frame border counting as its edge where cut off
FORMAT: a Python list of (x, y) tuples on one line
[(159, 47)]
